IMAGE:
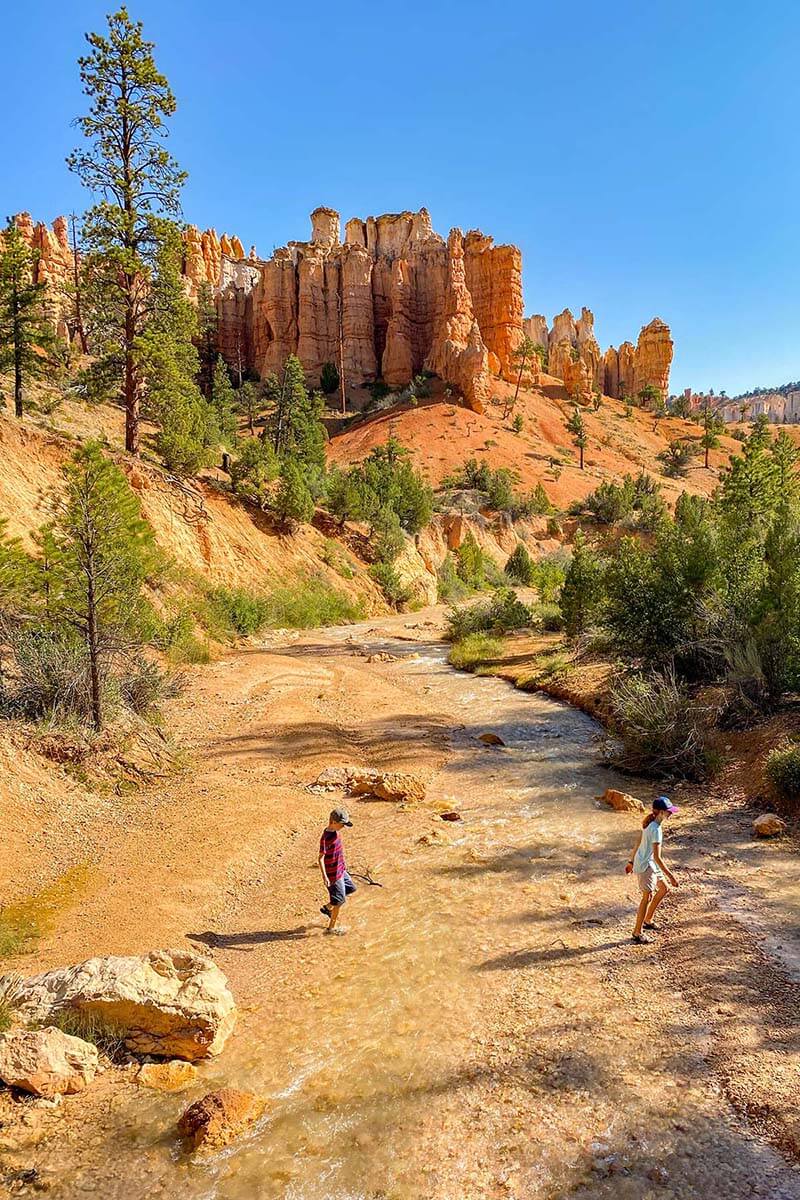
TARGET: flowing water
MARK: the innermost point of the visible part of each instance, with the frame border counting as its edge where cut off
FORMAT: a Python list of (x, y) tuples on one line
[(384, 1054)]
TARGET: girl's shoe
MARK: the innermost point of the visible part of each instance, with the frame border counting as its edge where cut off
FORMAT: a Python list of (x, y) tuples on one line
[(641, 939), (337, 929), (652, 925)]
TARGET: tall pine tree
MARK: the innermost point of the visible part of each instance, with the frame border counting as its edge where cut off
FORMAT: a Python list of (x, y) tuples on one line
[(125, 162), (27, 339), (101, 554), (169, 365)]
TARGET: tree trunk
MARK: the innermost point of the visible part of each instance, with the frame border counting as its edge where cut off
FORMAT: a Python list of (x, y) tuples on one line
[(94, 664), (131, 393), (16, 326), (581, 457), (79, 329), (706, 457)]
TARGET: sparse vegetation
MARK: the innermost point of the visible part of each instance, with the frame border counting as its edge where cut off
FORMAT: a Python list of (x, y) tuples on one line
[(782, 771), (473, 650)]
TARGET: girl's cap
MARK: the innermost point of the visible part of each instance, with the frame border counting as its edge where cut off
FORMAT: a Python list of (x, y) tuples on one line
[(664, 804)]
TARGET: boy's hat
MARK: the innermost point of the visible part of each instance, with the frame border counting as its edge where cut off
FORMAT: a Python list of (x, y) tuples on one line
[(664, 804), (341, 814)]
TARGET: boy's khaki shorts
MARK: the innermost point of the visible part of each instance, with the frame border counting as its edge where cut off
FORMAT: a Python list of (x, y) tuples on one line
[(649, 879)]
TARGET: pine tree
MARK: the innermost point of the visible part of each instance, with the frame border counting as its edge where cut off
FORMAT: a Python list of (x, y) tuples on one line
[(709, 439), (520, 565), (249, 402), (295, 422), (577, 427), (523, 353), (169, 365), (102, 552), (207, 337), (254, 471), (223, 401), (293, 503), (126, 163), (27, 340), (16, 571), (582, 593)]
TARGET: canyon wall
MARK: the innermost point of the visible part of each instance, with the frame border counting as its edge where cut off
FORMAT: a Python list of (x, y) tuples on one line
[(393, 298), (402, 299)]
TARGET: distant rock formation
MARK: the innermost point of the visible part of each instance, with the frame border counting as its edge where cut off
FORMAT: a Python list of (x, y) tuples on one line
[(405, 300), (622, 371), (56, 268)]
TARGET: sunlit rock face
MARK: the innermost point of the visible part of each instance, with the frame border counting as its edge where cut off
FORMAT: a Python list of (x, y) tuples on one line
[(398, 296)]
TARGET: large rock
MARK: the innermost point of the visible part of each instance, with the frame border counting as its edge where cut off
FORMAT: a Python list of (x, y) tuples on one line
[(219, 1118), (621, 801), (629, 369), (46, 1062), (169, 1003), (768, 825), (386, 785)]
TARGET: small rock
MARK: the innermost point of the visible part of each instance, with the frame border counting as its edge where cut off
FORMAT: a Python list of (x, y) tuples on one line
[(173, 1076), (46, 1062), (768, 825), (382, 656), (621, 801), (491, 739), (219, 1117), (436, 837), (450, 816), (658, 1175)]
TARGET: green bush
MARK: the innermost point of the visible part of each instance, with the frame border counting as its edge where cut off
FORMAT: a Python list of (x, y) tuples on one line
[(336, 557), (310, 605), (548, 577), (782, 770), (232, 612), (451, 588), (471, 563), (144, 685), (661, 732), (390, 583), (520, 565), (677, 458), (177, 639), (474, 650), (549, 617), (502, 614)]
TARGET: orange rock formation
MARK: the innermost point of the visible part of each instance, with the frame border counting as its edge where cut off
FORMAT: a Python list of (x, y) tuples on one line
[(405, 300), (55, 267), (622, 371)]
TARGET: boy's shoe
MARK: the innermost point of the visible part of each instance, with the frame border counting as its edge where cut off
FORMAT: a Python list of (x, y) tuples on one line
[(337, 929), (652, 925), (326, 912), (641, 939)]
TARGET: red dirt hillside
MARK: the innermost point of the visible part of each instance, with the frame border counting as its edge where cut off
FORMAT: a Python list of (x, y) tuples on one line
[(442, 436)]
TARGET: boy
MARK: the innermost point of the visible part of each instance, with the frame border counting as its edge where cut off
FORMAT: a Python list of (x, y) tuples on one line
[(333, 868)]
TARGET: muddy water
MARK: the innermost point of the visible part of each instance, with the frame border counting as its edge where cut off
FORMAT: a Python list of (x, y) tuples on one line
[(385, 1054)]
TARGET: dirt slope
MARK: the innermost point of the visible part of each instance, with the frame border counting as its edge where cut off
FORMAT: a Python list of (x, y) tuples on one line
[(443, 435), (203, 528)]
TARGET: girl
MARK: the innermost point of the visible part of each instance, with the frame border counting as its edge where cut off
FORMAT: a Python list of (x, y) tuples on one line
[(650, 870)]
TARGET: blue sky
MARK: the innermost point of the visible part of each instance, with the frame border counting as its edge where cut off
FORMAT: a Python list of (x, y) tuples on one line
[(645, 157)]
